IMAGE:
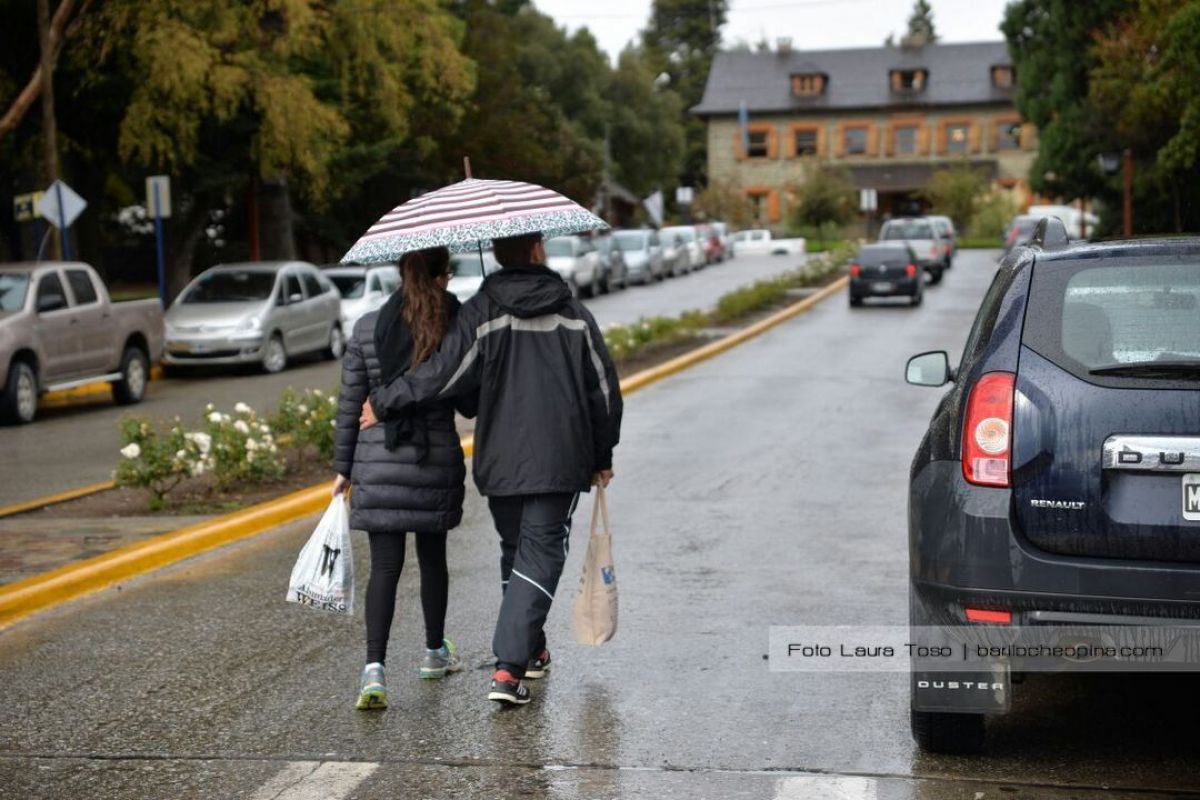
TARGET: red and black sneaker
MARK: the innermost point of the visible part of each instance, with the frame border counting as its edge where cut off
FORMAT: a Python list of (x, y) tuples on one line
[(538, 666), (508, 688)]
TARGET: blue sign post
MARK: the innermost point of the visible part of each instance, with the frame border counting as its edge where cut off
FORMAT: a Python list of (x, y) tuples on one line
[(158, 205), (62, 222), (61, 206)]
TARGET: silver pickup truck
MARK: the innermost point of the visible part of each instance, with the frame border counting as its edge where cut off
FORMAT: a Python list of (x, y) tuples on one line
[(60, 330)]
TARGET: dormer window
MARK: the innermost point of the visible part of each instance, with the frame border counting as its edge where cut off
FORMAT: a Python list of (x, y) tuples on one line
[(908, 80), (1002, 76), (811, 84)]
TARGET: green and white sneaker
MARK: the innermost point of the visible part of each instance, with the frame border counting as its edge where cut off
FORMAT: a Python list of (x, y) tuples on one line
[(373, 692), (439, 663)]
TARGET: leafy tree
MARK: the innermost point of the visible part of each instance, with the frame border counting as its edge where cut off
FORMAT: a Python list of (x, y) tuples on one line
[(647, 126), (724, 200), (680, 41), (1147, 82), (920, 26), (957, 192), (824, 200)]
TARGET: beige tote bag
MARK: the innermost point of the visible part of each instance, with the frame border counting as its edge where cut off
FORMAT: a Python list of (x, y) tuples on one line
[(596, 605)]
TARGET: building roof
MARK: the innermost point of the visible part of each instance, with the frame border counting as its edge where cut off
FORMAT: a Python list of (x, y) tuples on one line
[(958, 74)]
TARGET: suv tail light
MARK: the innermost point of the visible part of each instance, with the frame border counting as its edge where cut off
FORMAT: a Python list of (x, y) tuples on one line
[(911, 270), (987, 434), (855, 270)]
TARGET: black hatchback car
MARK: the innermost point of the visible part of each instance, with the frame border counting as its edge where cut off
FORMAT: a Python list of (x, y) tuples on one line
[(1059, 481), (886, 269)]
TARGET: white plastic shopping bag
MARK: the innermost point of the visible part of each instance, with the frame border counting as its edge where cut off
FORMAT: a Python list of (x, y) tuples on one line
[(323, 577), (596, 605)]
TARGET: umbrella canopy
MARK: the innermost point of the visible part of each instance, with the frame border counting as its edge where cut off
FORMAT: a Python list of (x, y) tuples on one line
[(468, 215)]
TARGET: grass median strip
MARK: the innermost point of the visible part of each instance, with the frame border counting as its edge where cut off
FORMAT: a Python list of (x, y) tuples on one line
[(40, 592)]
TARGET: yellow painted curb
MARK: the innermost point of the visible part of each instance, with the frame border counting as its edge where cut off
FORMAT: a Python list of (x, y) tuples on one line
[(79, 394), (40, 592), (51, 499)]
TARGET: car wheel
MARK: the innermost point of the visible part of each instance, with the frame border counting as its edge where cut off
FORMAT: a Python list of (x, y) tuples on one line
[(274, 357), (337, 343), (18, 404), (855, 301), (135, 374), (935, 276), (917, 299), (944, 732), (604, 286)]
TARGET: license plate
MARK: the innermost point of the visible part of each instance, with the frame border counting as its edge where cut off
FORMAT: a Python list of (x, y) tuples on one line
[(1191, 496), (882, 286)]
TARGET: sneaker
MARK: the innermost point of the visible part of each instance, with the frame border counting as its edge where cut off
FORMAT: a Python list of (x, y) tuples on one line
[(538, 666), (438, 663), (373, 692), (507, 688)]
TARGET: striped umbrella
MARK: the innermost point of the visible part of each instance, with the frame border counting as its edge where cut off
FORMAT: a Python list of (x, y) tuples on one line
[(467, 215)]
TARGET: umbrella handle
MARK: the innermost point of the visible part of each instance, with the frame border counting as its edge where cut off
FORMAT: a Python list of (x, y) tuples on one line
[(467, 165)]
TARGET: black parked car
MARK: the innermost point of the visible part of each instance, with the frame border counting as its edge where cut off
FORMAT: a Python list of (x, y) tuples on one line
[(886, 269), (1057, 484)]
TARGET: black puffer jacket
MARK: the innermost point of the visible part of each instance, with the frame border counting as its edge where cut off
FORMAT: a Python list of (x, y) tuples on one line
[(394, 490), (549, 402)]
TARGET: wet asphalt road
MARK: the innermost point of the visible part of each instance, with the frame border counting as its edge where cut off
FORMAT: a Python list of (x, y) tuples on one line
[(766, 486), (67, 448)]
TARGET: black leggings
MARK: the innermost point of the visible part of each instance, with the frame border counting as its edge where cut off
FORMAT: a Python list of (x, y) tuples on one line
[(387, 560)]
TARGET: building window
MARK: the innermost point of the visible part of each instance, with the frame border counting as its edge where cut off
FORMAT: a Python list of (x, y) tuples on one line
[(1002, 76), (904, 140), (854, 141), (809, 85), (958, 138), (1008, 135), (805, 141), (908, 80), (764, 203), (758, 144)]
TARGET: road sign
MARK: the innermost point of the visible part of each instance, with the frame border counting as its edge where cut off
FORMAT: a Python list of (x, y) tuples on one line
[(868, 200), (61, 205), (25, 206), (684, 195), (158, 196)]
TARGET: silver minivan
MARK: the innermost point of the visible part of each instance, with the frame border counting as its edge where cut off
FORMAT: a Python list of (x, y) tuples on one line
[(264, 313)]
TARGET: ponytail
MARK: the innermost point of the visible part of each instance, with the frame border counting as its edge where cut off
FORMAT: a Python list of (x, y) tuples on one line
[(424, 309)]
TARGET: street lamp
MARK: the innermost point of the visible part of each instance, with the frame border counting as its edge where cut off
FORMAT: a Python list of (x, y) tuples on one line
[(1110, 163)]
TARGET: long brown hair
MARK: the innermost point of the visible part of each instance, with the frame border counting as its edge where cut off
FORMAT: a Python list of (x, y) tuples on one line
[(424, 309)]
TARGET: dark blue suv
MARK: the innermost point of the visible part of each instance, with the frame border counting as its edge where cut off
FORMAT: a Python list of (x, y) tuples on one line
[(1059, 480)]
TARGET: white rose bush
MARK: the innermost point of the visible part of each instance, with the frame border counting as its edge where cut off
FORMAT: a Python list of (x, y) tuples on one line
[(225, 451)]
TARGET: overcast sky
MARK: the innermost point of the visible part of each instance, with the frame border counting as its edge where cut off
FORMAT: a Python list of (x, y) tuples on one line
[(812, 24)]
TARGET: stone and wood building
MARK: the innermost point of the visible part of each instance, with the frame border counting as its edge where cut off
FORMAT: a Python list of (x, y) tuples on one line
[(889, 115)]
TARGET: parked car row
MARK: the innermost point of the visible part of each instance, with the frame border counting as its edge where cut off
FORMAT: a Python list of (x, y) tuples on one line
[(909, 248)]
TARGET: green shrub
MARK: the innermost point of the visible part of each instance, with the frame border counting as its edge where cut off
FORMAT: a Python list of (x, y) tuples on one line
[(307, 419), (158, 457), (243, 447)]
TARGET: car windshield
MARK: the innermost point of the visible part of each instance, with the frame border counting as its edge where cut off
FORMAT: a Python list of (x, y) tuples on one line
[(1136, 318), (629, 241), (350, 287), (13, 287), (684, 234), (231, 286), (907, 230), (560, 247), (876, 256)]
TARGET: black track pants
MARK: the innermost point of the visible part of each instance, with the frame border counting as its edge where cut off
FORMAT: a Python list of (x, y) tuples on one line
[(387, 560), (534, 536)]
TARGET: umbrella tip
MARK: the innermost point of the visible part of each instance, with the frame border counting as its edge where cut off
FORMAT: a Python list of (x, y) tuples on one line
[(467, 165)]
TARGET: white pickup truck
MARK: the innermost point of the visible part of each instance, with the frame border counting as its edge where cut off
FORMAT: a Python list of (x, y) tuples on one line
[(760, 241), (60, 330)]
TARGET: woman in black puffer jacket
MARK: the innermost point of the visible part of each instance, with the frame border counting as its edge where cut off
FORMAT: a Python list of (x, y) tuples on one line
[(405, 476)]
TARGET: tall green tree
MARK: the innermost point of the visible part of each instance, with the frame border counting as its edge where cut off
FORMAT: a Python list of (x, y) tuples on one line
[(647, 132), (681, 40)]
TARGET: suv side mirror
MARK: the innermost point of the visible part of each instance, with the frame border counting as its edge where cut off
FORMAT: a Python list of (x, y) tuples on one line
[(51, 301), (929, 369)]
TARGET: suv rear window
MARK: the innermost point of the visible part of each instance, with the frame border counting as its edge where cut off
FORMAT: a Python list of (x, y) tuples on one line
[(907, 230), (1136, 319)]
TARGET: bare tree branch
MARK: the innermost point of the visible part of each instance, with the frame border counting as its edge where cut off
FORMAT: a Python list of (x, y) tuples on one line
[(33, 89)]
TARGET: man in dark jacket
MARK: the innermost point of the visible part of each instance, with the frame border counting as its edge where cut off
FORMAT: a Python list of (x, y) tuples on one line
[(549, 416)]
